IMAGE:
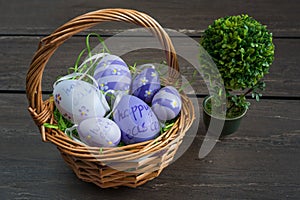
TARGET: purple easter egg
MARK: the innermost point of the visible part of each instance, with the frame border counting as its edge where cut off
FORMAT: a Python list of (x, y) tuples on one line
[(99, 132), (77, 100), (146, 84), (136, 120), (166, 103), (112, 74)]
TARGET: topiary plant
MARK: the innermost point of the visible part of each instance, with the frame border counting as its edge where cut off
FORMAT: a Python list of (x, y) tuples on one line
[(243, 50)]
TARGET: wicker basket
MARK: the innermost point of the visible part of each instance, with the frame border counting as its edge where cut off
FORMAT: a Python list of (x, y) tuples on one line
[(137, 163)]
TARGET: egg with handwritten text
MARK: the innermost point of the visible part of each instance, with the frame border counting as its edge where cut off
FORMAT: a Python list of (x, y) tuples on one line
[(77, 100), (166, 103), (112, 75), (136, 120), (146, 84), (99, 132)]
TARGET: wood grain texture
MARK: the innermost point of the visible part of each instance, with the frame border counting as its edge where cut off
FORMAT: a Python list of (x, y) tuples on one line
[(260, 161), (16, 54), (192, 17)]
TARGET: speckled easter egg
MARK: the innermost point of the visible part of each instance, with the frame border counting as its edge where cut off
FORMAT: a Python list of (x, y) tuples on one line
[(77, 100), (166, 103), (136, 120), (112, 74), (99, 132), (146, 84)]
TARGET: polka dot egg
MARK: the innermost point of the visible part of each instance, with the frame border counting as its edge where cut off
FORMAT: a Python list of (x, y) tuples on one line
[(146, 84), (166, 103), (99, 132)]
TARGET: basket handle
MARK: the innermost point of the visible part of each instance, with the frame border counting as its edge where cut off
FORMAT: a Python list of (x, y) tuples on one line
[(49, 44)]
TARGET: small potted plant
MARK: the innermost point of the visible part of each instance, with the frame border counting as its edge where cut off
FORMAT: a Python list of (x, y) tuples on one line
[(243, 50)]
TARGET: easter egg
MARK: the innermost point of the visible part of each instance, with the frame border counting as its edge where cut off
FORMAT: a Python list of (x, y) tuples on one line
[(112, 74), (146, 84), (99, 132), (166, 103), (77, 100), (136, 120)]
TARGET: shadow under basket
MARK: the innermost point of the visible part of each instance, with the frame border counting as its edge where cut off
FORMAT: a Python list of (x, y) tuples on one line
[(130, 165)]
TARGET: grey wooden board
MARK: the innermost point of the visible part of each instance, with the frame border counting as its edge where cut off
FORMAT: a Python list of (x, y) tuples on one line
[(191, 17), (260, 161), (16, 54)]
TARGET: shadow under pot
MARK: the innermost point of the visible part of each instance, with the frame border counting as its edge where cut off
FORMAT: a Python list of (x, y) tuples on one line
[(231, 125)]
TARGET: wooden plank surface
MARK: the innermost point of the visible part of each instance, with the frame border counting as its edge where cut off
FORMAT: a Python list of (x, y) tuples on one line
[(192, 17), (260, 161), (16, 54)]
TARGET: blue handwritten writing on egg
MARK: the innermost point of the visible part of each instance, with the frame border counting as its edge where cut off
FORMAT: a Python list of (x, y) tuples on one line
[(136, 120), (69, 89), (136, 111), (74, 95), (139, 109), (81, 90), (143, 128), (122, 115)]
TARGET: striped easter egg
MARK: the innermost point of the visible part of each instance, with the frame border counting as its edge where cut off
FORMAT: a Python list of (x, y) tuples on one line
[(112, 74), (146, 84), (166, 103)]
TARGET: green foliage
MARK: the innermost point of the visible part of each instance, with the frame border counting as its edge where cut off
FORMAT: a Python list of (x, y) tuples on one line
[(257, 89), (88, 50), (62, 123), (243, 51), (234, 110)]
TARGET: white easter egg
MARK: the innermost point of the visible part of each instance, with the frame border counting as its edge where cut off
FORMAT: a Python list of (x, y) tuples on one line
[(77, 100), (99, 132), (136, 120), (166, 103)]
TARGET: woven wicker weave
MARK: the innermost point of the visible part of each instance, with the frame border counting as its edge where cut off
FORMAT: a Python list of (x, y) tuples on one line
[(136, 163)]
